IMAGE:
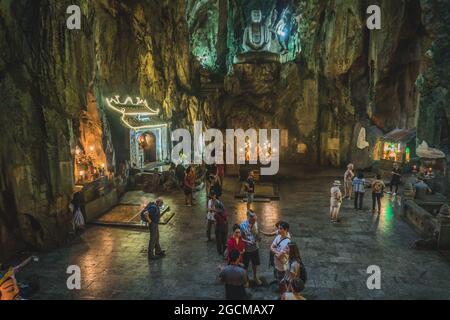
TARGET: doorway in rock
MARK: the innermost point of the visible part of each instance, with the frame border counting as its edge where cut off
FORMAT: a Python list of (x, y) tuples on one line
[(147, 142)]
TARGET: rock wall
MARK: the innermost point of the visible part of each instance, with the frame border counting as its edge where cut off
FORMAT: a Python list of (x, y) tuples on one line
[(50, 75), (346, 77)]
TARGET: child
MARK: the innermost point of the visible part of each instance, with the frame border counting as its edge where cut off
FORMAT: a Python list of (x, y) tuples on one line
[(335, 201)]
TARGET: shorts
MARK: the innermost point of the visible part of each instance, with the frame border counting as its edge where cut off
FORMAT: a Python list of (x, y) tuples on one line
[(253, 257), (250, 197)]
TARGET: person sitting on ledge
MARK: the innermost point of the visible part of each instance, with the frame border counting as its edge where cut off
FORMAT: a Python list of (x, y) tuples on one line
[(421, 188)]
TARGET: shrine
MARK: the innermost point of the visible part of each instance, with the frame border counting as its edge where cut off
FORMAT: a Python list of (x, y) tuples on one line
[(148, 136)]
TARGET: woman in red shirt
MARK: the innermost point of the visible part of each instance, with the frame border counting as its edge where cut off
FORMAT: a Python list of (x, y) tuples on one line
[(236, 242)]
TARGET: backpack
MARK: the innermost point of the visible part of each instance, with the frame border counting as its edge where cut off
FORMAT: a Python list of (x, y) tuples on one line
[(145, 211), (378, 187)]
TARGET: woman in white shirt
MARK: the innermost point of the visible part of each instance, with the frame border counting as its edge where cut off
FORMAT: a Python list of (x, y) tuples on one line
[(335, 201)]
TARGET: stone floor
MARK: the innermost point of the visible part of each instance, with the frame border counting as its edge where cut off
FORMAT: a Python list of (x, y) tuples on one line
[(114, 262)]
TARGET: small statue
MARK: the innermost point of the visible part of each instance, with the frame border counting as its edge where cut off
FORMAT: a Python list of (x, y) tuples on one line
[(362, 142), (257, 36)]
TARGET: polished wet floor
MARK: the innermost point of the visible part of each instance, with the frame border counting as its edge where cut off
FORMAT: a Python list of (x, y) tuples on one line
[(114, 264)]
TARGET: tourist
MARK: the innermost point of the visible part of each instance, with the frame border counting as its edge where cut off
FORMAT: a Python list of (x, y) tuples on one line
[(78, 221), (251, 237), (211, 172), (235, 278), (180, 173), (221, 173), (280, 253), (153, 215), (221, 218), (421, 188), (294, 291), (296, 269), (210, 215), (335, 201), (395, 179), (359, 190), (250, 189), (216, 187), (235, 242), (189, 185), (378, 187), (348, 179)]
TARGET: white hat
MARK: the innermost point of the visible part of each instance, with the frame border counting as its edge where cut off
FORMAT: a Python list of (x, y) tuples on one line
[(337, 183)]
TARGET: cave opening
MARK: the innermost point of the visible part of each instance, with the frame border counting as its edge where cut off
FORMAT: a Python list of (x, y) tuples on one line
[(101, 122)]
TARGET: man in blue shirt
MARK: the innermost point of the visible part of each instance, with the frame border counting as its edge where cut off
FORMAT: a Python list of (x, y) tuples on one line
[(153, 214)]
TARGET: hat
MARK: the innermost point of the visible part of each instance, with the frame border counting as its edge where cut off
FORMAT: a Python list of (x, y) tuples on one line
[(337, 183), (251, 214)]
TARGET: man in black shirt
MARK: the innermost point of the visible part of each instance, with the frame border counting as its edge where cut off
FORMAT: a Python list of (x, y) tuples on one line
[(153, 214)]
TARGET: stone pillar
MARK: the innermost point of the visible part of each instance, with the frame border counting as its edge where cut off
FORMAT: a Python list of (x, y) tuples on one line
[(408, 195), (444, 228)]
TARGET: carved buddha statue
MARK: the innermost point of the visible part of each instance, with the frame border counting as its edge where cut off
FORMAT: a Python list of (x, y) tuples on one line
[(257, 36)]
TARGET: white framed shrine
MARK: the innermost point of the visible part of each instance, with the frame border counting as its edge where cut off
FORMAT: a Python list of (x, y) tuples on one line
[(148, 135)]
